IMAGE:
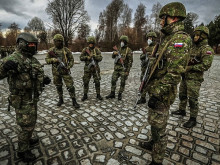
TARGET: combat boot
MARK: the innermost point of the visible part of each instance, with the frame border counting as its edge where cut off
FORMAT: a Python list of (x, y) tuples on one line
[(60, 102), (179, 112), (99, 97), (33, 141), (142, 100), (119, 96), (154, 163), (111, 95), (85, 97), (190, 123), (26, 156), (75, 104), (147, 145)]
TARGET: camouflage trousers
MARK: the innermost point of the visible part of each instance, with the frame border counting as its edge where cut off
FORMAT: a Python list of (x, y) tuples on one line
[(116, 74), (68, 80), (87, 76), (189, 91), (26, 117), (157, 118)]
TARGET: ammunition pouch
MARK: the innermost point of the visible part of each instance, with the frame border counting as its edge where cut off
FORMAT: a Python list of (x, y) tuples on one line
[(15, 101)]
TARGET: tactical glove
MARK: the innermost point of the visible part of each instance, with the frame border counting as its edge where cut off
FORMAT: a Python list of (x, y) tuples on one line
[(46, 80), (10, 65)]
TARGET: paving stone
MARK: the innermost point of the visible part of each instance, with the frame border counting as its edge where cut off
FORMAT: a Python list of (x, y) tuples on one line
[(142, 137), (184, 151), (108, 136), (112, 161), (85, 162), (46, 141), (54, 131), (4, 153), (200, 158), (147, 156), (175, 157), (54, 161), (118, 144), (199, 136), (201, 150), (120, 135), (137, 160), (188, 138), (100, 158), (133, 150), (81, 153), (206, 145)]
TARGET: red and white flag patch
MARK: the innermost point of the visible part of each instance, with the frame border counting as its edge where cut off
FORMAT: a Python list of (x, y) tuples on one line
[(178, 45), (209, 52)]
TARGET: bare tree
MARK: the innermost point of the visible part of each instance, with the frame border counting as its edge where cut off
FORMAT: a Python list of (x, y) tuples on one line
[(112, 14), (83, 31), (67, 15), (125, 19), (140, 21), (155, 15), (36, 25)]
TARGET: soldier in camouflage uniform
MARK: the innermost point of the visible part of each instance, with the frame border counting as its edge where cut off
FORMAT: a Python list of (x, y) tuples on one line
[(201, 57), (91, 54), (151, 36), (62, 60), (26, 81), (3, 52), (162, 86), (121, 70)]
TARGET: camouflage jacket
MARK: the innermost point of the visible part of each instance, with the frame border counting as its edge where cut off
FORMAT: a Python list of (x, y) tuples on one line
[(201, 57), (148, 50), (127, 56), (176, 46), (64, 55), (96, 53), (26, 81)]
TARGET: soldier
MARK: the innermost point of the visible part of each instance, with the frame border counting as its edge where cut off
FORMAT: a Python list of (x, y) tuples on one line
[(151, 36), (91, 55), (3, 52), (201, 58), (122, 66), (62, 60), (26, 81), (172, 58)]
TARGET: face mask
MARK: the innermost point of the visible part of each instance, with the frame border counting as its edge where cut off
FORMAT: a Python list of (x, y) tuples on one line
[(122, 44), (149, 41)]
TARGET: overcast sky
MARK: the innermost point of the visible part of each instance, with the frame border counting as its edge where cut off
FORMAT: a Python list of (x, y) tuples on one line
[(21, 11)]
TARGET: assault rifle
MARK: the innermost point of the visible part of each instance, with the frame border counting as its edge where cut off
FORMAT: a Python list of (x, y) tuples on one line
[(61, 64), (92, 63), (119, 57), (148, 73)]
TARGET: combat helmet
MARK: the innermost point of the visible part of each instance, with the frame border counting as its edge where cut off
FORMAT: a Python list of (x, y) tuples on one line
[(124, 38), (174, 9), (28, 37), (91, 40), (151, 34), (58, 37), (202, 29)]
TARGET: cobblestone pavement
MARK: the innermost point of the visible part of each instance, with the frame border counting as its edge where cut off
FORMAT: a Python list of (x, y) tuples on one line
[(107, 132)]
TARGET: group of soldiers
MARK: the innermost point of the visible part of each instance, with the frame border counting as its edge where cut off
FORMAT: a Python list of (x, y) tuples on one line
[(177, 58), (6, 50)]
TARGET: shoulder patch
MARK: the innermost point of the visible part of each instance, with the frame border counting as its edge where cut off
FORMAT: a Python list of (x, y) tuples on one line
[(209, 52), (178, 45)]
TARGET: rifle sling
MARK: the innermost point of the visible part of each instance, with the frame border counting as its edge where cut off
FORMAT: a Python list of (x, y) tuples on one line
[(160, 56)]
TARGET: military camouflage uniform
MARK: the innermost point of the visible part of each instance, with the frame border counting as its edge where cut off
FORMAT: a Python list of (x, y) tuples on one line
[(58, 75), (127, 57), (162, 87), (201, 58), (88, 73), (25, 85), (3, 52)]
